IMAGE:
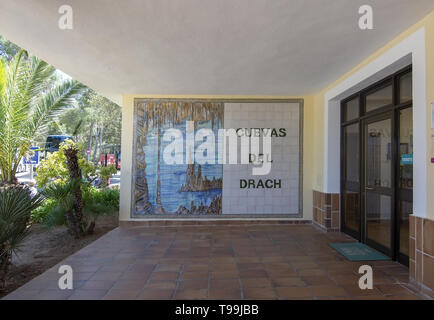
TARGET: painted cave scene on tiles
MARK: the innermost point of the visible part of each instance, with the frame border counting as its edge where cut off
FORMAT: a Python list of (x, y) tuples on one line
[(175, 189)]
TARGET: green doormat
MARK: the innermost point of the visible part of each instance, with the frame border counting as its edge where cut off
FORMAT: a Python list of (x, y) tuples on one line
[(356, 251)]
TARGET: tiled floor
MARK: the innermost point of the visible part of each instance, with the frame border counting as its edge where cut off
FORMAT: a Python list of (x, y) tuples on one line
[(217, 262)]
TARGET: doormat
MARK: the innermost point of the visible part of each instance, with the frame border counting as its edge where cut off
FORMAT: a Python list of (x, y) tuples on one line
[(356, 251)]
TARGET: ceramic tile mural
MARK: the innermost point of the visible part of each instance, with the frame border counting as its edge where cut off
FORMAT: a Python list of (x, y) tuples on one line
[(180, 189), (209, 189)]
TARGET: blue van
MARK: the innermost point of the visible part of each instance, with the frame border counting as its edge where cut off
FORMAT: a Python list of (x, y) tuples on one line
[(53, 142)]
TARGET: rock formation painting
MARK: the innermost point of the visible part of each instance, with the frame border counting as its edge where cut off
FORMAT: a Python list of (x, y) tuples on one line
[(174, 189)]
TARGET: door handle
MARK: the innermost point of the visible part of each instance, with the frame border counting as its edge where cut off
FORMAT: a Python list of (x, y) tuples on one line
[(369, 188)]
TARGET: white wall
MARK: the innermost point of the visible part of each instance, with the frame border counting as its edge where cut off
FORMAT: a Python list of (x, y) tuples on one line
[(410, 50)]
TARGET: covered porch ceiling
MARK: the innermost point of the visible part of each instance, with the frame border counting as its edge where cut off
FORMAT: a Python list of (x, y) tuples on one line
[(204, 47)]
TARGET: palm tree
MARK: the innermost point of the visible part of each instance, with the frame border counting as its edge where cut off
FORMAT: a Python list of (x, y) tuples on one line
[(16, 205), (29, 98)]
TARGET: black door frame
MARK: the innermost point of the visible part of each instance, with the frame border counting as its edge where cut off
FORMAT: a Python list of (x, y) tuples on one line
[(394, 108)]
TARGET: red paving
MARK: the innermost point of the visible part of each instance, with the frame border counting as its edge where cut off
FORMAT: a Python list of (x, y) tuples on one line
[(217, 262)]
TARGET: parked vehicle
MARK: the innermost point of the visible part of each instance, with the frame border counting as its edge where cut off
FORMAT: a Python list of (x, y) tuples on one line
[(111, 155), (53, 142)]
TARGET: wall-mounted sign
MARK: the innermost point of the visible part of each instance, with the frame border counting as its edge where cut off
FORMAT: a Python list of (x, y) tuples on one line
[(34, 158), (407, 159), (195, 158)]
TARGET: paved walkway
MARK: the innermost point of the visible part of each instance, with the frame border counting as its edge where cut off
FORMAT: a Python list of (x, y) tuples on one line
[(220, 262)]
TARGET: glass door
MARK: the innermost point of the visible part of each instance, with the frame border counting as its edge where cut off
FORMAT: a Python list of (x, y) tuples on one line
[(377, 164), (378, 183)]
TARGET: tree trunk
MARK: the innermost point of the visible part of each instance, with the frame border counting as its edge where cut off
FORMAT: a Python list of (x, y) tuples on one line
[(4, 268), (101, 140), (76, 217), (91, 227), (95, 148), (90, 140)]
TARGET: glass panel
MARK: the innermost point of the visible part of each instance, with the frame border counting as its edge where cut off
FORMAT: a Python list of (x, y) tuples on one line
[(352, 109), (378, 164), (406, 149), (351, 210), (405, 88), (405, 175), (406, 208), (378, 218), (352, 155), (379, 154), (379, 98)]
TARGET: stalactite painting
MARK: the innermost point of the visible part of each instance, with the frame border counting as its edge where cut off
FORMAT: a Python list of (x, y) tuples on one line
[(175, 189)]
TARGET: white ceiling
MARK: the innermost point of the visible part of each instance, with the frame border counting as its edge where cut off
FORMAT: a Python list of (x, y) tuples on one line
[(219, 47)]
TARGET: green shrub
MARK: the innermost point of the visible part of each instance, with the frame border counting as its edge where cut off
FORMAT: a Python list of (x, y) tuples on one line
[(16, 205), (108, 197), (53, 169), (96, 202), (39, 214)]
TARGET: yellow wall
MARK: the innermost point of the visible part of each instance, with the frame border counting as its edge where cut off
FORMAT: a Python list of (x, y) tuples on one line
[(313, 133), (318, 106), (127, 146), (429, 25)]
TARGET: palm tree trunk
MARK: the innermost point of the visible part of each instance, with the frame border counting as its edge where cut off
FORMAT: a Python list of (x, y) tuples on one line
[(90, 139), (4, 268), (76, 217)]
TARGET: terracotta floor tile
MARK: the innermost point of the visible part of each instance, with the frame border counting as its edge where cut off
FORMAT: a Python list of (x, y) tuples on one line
[(225, 294), (254, 273), (156, 294), (160, 284), (327, 291), (304, 265), (128, 285), (345, 279), (164, 275), (318, 280), (311, 272), (191, 294), (288, 282), (193, 284), (196, 267), (355, 291), (250, 266), (223, 275), (194, 275), (259, 293), (255, 282), (250, 260), (121, 295), (217, 284), (217, 262), (392, 289), (403, 296), (282, 273), (294, 292), (168, 267), (135, 275), (369, 297)]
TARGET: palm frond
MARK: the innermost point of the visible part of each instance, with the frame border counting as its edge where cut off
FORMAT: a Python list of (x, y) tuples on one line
[(52, 103), (16, 205)]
